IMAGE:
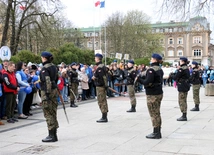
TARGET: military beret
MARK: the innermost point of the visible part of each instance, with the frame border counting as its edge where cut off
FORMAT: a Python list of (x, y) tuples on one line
[(99, 55), (73, 63), (184, 59), (46, 54), (115, 61), (156, 56), (194, 63), (131, 61)]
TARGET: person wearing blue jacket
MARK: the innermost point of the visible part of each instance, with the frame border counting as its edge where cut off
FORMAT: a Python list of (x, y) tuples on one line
[(22, 81)]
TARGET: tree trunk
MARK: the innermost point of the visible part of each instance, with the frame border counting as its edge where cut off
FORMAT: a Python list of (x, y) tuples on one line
[(6, 24), (13, 35)]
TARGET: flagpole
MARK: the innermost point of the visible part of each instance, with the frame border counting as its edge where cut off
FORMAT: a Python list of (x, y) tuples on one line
[(100, 29), (105, 36), (94, 29)]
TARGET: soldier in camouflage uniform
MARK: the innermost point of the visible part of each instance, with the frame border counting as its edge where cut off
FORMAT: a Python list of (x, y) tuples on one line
[(73, 84), (182, 78), (154, 93), (196, 84), (48, 78), (130, 75), (100, 80)]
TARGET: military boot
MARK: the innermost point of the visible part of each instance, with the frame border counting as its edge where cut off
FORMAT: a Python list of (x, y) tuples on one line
[(104, 118), (50, 137), (73, 105), (183, 117), (55, 134), (196, 108), (156, 134), (132, 109)]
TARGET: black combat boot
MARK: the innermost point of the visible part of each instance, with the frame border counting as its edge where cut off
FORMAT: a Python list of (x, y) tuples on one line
[(132, 109), (50, 137), (55, 134), (183, 117), (156, 134), (196, 108), (104, 118), (73, 105)]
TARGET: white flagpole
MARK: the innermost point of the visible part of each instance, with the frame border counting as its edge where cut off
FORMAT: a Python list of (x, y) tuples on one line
[(100, 27), (94, 28), (105, 36)]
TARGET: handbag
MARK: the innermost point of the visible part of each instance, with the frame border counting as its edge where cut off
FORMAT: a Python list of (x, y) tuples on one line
[(36, 98)]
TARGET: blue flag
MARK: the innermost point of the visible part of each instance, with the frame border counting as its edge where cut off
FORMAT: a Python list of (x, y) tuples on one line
[(102, 4)]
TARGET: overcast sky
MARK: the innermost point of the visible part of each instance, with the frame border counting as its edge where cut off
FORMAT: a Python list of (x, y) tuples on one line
[(83, 13)]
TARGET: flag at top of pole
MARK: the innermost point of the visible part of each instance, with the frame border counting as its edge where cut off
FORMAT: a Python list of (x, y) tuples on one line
[(100, 3)]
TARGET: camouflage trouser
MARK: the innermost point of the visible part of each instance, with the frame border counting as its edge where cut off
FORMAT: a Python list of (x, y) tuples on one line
[(131, 92), (153, 104), (73, 91), (196, 89), (50, 109), (182, 99), (101, 98)]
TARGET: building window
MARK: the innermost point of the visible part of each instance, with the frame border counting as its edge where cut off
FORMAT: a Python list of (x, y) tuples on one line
[(157, 30), (89, 44), (197, 40), (171, 41), (180, 40), (180, 52), (171, 30), (197, 53), (180, 29), (97, 34), (96, 44), (170, 53)]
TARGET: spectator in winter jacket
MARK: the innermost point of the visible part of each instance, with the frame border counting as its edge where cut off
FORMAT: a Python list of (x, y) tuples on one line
[(22, 81), (84, 82), (11, 89)]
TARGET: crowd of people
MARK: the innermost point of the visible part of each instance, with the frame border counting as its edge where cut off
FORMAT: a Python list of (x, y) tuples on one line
[(20, 84)]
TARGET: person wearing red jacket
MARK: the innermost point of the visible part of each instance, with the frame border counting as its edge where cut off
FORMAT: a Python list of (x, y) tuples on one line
[(11, 89)]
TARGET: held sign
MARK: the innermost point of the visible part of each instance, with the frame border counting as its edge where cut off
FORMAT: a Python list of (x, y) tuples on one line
[(5, 53)]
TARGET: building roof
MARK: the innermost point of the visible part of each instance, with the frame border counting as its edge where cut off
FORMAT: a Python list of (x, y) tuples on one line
[(169, 24), (90, 29)]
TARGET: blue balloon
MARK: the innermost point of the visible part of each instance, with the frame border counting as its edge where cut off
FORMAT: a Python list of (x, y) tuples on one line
[(28, 90), (35, 78)]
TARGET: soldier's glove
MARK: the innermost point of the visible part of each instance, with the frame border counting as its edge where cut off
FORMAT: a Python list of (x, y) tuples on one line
[(106, 87)]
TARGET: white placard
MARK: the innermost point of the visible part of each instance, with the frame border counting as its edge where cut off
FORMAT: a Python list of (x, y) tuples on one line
[(119, 56), (98, 51), (126, 57), (5, 53)]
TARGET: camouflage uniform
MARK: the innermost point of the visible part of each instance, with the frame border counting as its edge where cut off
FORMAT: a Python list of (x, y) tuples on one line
[(101, 87), (182, 77), (196, 85), (196, 89), (182, 100), (73, 86), (153, 104), (130, 76), (154, 93), (101, 98), (48, 78)]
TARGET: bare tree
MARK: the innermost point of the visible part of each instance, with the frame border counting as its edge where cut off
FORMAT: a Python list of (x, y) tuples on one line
[(23, 13), (186, 8)]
